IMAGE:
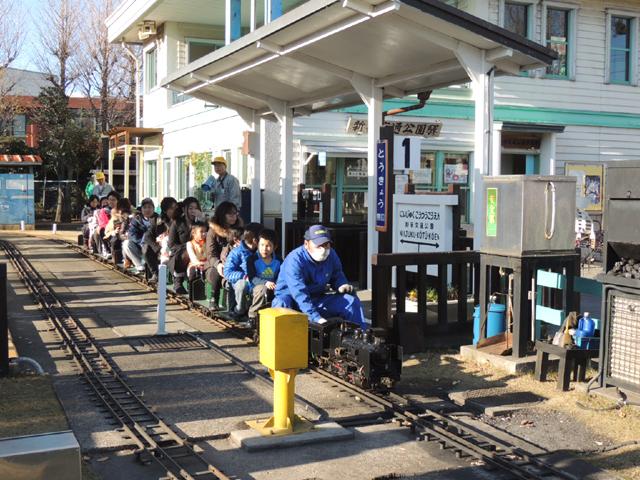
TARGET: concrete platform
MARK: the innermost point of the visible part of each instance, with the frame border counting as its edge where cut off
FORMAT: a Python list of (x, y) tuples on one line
[(508, 363), (252, 441), (495, 402)]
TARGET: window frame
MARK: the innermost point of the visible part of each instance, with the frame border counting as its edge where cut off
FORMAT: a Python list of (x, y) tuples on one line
[(205, 41), (148, 77), (531, 15), (572, 23), (633, 46)]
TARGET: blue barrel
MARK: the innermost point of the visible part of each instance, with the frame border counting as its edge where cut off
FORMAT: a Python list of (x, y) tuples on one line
[(495, 321)]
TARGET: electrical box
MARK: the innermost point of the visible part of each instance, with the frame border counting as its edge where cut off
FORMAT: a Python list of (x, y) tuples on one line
[(528, 213), (284, 340)]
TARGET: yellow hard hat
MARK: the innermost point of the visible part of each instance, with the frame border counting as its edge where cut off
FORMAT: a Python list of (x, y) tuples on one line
[(99, 175), (221, 160)]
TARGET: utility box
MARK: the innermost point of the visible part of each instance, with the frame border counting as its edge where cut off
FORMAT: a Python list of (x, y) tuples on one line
[(529, 213), (40, 457), (284, 340)]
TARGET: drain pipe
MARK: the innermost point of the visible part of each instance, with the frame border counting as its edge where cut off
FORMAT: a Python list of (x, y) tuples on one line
[(422, 101), (28, 361)]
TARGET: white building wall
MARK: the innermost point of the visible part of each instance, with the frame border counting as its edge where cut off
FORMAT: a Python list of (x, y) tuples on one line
[(589, 90)]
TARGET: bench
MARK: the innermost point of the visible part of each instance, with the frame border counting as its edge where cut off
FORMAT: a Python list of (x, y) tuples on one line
[(572, 360)]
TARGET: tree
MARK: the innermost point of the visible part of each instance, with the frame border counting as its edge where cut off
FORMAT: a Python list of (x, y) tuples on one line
[(106, 70), (11, 41), (59, 42), (65, 145)]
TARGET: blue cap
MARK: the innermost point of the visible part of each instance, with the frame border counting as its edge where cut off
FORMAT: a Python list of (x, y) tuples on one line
[(318, 234)]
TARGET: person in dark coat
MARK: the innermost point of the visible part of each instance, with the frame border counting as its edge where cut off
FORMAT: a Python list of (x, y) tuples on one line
[(179, 235), (139, 223), (217, 246), (159, 228)]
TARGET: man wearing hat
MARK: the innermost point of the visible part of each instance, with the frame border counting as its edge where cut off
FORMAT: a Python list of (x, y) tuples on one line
[(303, 280), (102, 188), (225, 188)]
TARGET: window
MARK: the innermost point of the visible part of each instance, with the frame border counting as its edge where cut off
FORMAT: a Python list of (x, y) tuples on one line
[(199, 47), (558, 22), (516, 18), (620, 59), (456, 168), (19, 127), (167, 176), (177, 97), (182, 177), (150, 69), (427, 169), (152, 178)]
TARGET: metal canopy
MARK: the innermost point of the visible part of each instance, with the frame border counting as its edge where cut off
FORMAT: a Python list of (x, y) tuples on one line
[(311, 56)]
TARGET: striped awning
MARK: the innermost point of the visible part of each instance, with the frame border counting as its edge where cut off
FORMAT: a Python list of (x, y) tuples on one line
[(20, 160)]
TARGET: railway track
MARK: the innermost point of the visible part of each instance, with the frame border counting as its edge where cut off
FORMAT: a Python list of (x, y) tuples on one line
[(155, 440), (428, 425)]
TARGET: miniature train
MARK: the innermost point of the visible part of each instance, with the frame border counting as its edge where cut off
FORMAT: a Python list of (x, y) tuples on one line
[(361, 357)]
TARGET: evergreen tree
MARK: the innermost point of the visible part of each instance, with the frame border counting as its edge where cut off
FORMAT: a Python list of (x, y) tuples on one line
[(67, 148)]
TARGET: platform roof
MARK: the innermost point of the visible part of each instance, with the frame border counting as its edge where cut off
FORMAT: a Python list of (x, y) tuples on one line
[(20, 160), (309, 56)]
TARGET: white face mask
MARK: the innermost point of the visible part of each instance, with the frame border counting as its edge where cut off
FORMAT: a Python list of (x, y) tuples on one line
[(320, 254)]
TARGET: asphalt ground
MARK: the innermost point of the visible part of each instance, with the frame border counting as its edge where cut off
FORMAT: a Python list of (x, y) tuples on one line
[(199, 391)]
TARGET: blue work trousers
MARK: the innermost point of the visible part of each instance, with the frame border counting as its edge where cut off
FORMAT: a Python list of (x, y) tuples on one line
[(341, 305)]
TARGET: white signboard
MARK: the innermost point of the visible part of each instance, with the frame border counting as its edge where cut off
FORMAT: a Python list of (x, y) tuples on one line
[(418, 129), (406, 153), (423, 223), (422, 176)]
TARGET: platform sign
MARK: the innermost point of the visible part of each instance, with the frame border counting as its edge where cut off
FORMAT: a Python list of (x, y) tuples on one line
[(423, 223), (406, 153), (418, 129), (382, 165)]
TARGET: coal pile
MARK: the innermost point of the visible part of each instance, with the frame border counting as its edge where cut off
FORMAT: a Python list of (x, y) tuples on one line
[(627, 268)]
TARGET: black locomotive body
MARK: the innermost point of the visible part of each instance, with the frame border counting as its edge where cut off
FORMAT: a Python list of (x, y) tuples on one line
[(363, 358)]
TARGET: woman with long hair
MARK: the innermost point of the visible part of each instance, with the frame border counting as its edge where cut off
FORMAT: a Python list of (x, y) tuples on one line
[(179, 235), (217, 246)]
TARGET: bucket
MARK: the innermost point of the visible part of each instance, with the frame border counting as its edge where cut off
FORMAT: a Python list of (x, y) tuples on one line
[(495, 321)]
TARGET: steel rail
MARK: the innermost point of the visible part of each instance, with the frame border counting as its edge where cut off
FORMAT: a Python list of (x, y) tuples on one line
[(153, 437), (428, 424)]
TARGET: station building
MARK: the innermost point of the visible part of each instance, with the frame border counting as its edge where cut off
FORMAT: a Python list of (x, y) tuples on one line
[(582, 109)]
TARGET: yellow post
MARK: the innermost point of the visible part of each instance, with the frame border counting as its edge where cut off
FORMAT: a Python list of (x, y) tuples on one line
[(283, 350)]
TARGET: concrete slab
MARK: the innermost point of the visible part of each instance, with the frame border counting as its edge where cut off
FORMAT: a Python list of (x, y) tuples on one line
[(495, 402), (252, 441), (508, 364)]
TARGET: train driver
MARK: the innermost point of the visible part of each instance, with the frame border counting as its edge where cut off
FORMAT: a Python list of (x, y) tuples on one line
[(303, 279)]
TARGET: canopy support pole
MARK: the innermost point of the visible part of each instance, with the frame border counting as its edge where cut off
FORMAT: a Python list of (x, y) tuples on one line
[(480, 71), (284, 114), (372, 97)]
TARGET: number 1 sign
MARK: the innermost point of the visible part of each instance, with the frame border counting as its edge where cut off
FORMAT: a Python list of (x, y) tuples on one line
[(406, 153)]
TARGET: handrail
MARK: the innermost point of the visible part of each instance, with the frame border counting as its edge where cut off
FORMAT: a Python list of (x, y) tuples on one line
[(431, 258)]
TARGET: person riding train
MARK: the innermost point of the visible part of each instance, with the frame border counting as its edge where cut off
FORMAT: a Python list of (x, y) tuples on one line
[(303, 279)]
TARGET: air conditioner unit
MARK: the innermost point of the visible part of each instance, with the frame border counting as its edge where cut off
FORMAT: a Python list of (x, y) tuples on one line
[(146, 29)]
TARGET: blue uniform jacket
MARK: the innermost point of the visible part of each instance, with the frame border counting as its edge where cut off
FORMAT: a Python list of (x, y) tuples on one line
[(235, 268), (305, 279)]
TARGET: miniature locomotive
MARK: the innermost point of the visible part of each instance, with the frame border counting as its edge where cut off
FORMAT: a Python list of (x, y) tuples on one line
[(361, 357)]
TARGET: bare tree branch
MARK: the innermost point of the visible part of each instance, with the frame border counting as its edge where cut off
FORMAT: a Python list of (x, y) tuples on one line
[(11, 32), (59, 42), (103, 71)]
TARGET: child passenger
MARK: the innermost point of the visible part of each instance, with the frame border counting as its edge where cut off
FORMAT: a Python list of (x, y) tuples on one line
[(263, 273), (236, 271), (196, 251)]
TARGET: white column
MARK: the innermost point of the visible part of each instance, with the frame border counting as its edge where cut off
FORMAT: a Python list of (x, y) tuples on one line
[(256, 158), (284, 114), (479, 70), (496, 144), (372, 97), (548, 154)]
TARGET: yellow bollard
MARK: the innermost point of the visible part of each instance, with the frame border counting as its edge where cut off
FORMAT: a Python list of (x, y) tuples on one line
[(283, 350)]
